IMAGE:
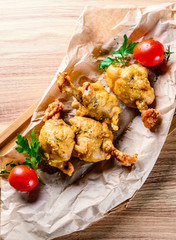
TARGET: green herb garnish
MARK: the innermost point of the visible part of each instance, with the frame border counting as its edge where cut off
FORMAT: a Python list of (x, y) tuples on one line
[(155, 77), (11, 164), (4, 169), (167, 53), (32, 151), (125, 49), (106, 62)]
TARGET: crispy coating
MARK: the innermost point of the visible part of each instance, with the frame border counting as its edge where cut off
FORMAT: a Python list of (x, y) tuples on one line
[(90, 135), (53, 111), (94, 142), (57, 139), (64, 84), (131, 85), (92, 100), (149, 117)]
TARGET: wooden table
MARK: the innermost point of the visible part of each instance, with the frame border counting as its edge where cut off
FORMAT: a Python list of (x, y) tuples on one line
[(34, 39)]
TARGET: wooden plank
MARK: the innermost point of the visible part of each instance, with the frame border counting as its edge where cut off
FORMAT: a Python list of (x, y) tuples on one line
[(16, 127)]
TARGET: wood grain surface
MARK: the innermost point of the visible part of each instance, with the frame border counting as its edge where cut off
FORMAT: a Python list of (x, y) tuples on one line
[(34, 39)]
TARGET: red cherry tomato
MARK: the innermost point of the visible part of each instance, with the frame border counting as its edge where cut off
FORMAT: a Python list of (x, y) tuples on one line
[(149, 52), (23, 178)]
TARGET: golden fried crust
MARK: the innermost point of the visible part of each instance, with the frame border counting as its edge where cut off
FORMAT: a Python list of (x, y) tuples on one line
[(57, 141), (91, 100), (63, 80), (90, 135), (125, 159), (98, 103), (130, 84), (94, 142), (66, 167), (65, 85), (53, 111), (149, 117)]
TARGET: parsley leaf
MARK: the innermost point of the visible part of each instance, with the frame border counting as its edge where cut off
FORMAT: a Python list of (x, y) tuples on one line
[(12, 165), (4, 169), (23, 144), (106, 62), (125, 49), (31, 150), (167, 53)]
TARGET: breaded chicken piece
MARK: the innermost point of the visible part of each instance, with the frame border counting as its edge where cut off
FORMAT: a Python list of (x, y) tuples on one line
[(94, 142), (92, 100), (57, 139), (131, 85)]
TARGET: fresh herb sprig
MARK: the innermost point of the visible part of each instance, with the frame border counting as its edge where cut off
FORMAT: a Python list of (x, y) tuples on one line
[(106, 62), (124, 50), (11, 164), (4, 169), (32, 151), (167, 53)]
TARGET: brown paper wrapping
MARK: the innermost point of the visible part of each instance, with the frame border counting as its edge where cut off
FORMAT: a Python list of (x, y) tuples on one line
[(67, 204)]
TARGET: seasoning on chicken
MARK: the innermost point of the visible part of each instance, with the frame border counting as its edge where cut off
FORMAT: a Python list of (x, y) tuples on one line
[(91, 100), (54, 110), (131, 85), (94, 142), (57, 139)]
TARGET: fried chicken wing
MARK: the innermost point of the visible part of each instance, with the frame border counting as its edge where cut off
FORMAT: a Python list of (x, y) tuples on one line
[(131, 85), (91, 100), (94, 142), (54, 110), (57, 139)]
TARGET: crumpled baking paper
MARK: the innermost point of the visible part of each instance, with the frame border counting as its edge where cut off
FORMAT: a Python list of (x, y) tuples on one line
[(67, 204)]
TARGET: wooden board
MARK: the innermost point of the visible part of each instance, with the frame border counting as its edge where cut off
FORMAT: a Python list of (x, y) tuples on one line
[(34, 39)]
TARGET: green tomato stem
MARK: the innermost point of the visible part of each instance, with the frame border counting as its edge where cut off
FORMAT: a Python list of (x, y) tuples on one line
[(42, 182)]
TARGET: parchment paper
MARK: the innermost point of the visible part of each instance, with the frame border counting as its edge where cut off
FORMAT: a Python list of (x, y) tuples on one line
[(67, 204)]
